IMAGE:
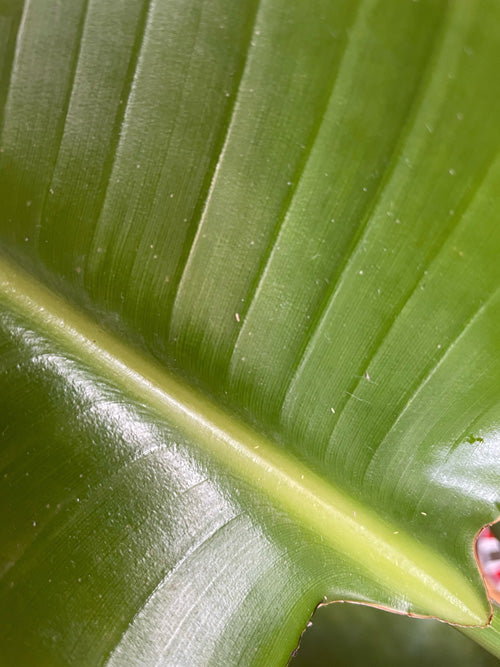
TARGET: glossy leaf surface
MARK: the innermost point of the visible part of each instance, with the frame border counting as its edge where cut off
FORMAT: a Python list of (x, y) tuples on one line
[(250, 323)]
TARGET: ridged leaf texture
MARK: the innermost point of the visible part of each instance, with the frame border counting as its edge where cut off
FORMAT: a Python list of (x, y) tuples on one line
[(250, 321)]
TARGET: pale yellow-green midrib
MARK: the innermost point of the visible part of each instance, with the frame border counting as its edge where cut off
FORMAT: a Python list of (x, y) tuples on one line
[(404, 567)]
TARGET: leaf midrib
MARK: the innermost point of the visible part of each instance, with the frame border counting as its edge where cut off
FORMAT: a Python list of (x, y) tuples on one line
[(406, 568)]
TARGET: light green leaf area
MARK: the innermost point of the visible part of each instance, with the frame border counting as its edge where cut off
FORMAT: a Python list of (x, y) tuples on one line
[(488, 638), (250, 321)]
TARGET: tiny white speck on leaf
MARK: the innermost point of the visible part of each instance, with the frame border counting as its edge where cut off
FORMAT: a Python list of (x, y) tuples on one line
[(237, 317)]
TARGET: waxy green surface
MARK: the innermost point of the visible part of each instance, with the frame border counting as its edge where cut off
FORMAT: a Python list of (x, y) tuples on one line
[(249, 323)]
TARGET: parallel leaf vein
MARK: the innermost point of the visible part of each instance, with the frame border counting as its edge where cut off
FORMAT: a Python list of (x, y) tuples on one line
[(433, 257), (321, 313), (192, 239), (266, 258)]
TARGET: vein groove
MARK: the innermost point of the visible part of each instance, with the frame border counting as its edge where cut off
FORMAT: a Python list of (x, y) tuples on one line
[(426, 379), (322, 312), (260, 276), (128, 86), (62, 122), (4, 96), (191, 240), (385, 331)]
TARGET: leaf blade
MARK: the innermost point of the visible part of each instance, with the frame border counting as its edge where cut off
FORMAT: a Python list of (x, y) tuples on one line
[(380, 449)]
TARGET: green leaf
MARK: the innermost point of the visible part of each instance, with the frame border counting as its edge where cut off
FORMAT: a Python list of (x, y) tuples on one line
[(489, 638), (250, 321)]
